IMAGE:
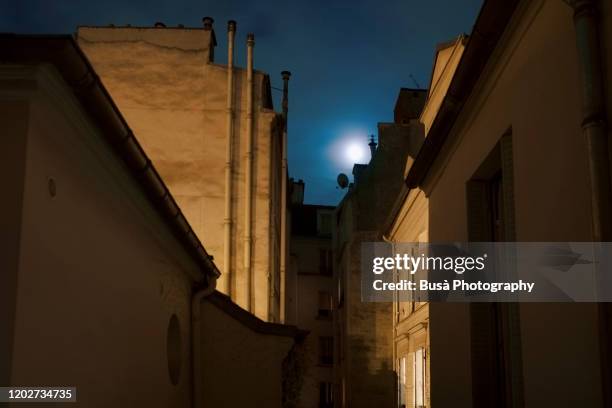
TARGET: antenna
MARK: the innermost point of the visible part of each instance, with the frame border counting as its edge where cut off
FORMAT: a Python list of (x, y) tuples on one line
[(415, 82)]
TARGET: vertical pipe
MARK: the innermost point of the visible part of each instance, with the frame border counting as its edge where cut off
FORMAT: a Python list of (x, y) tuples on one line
[(595, 132), (284, 244), (249, 177), (226, 277), (594, 126)]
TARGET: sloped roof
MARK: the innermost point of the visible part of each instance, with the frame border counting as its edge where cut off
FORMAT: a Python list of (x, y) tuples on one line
[(64, 54)]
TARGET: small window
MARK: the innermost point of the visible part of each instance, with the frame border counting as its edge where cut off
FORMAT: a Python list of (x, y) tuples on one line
[(325, 305), (326, 395), (324, 223), (325, 261), (326, 350)]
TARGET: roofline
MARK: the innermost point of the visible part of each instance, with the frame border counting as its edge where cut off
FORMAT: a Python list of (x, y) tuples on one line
[(439, 47), (413, 89), (138, 27), (318, 206), (112, 26), (63, 52), (490, 24), (253, 322)]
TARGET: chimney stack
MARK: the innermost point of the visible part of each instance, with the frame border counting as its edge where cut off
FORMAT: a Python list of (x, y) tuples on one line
[(286, 75), (208, 23)]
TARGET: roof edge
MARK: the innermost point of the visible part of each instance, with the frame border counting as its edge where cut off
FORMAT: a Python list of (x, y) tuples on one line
[(253, 322), (488, 29)]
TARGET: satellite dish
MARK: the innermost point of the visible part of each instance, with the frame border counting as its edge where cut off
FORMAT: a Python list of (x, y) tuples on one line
[(343, 180)]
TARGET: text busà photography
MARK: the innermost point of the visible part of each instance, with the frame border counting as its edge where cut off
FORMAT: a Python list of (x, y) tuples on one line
[(310, 204)]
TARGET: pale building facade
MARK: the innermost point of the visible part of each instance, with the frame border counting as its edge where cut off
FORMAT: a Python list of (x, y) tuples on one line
[(409, 223), (212, 133), (525, 116), (309, 296)]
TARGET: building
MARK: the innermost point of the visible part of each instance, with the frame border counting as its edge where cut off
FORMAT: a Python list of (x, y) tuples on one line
[(363, 362), (104, 284), (409, 223), (518, 151), (309, 295), (211, 131)]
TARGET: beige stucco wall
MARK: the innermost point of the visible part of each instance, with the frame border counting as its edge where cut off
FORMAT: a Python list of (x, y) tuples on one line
[(240, 367), (99, 273), (174, 100), (534, 88)]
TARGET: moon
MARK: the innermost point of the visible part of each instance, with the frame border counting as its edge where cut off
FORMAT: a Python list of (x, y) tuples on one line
[(356, 152)]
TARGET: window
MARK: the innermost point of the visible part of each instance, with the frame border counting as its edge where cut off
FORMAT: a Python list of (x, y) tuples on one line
[(324, 223), (495, 327), (401, 398), (325, 305), (418, 378), (325, 261), (326, 395), (326, 350)]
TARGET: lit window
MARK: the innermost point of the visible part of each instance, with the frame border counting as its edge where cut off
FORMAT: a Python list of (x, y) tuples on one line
[(418, 381)]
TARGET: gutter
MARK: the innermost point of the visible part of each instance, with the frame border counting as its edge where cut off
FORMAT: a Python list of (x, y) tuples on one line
[(489, 26)]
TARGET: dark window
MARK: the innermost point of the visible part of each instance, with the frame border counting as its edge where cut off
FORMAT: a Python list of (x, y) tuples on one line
[(326, 395), (326, 350), (325, 261), (325, 305), (325, 223)]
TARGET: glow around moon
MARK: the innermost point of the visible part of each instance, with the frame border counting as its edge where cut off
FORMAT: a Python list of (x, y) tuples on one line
[(349, 150)]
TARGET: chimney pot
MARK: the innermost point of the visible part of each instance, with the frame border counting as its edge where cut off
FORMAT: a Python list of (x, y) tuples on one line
[(250, 39), (208, 23), (286, 75), (231, 25), (159, 24)]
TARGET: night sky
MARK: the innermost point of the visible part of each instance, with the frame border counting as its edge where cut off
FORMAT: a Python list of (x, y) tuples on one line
[(348, 59)]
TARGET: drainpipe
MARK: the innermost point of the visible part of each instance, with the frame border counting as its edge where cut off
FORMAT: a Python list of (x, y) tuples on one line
[(226, 285), (249, 176), (284, 244), (196, 335), (594, 129)]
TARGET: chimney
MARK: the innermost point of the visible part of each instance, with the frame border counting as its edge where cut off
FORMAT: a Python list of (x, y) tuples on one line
[(297, 192), (208, 23), (286, 75), (372, 145)]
